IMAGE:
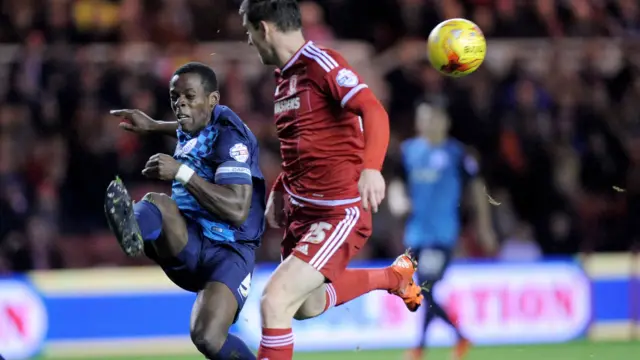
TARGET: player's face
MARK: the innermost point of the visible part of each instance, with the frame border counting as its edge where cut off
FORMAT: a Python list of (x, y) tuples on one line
[(190, 102), (257, 37), (431, 123)]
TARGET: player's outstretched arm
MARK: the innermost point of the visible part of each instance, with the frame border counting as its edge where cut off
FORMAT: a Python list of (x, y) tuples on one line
[(136, 121), (229, 199), (230, 203)]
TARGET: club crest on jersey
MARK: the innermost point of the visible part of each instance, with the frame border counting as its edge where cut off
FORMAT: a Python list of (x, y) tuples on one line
[(187, 147), (239, 152), (293, 84), (347, 78)]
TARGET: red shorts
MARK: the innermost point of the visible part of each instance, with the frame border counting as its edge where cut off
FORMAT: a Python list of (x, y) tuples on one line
[(327, 238)]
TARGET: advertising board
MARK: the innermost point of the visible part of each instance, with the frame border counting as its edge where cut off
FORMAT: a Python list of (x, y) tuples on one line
[(495, 303), (23, 320)]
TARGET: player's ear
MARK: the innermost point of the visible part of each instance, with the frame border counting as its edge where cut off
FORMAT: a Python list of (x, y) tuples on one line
[(214, 98), (265, 29)]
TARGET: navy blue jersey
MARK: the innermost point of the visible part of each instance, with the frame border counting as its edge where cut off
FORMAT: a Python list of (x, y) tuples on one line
[(224, 153), (434, 176)]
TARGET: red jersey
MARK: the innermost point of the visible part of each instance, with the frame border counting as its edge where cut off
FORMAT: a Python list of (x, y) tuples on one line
[(321, 139)]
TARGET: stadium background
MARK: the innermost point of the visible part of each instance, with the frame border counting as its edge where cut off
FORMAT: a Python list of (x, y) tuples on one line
[(553, 116)]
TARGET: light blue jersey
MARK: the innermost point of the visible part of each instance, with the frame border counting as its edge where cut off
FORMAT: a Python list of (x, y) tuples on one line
[(225, 152), (434, 176)]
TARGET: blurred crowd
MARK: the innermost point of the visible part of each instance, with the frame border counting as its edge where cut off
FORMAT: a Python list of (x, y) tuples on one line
[(559, 147)]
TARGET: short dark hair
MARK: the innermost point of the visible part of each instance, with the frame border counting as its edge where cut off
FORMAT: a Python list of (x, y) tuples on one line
[(207, 75), (285, 14)]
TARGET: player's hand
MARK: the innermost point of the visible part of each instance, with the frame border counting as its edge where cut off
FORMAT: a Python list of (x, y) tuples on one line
[(161, 167), (372, 189), (134, 120), (275, 210)]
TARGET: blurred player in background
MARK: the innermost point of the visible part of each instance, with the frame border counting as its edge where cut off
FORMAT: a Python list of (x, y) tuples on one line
[(333, 136), (204, 236), (434, 171)]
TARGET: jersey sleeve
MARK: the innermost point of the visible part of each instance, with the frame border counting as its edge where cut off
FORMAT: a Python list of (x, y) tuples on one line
[(340, 80), (232, 158)]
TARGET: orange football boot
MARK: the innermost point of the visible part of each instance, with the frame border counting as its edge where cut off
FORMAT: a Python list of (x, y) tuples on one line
[(461, 349), (414, 354), (405, 265)]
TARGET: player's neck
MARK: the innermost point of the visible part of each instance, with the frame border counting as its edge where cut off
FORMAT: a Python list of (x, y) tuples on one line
[(435, 140), (288, 45)]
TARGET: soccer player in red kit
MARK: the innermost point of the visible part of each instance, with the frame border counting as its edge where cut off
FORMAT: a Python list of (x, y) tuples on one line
[(333, 138)]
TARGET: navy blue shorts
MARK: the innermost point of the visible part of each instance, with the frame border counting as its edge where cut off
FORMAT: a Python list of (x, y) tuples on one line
[(433, 261), (204, 261)]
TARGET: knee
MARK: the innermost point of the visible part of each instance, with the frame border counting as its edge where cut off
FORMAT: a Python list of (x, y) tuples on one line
[(274, 303), (208, 339), (270, 303), (162, 201)]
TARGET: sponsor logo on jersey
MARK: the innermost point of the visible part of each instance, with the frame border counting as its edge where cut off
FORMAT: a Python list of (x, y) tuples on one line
[(187, 147), (23, 320), (347, 78), (239, 152), (286, 105)]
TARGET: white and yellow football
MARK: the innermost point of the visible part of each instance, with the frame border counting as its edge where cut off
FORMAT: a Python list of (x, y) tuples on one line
[(456, 47)]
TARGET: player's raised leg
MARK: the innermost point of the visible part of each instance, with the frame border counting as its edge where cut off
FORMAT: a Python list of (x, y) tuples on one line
[(352, 283), (157, 219), (297, 288), (134, 224)]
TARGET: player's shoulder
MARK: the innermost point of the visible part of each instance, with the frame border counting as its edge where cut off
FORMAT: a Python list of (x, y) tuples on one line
[(229, 124), (320, 60), (411, 144), (465, 154)]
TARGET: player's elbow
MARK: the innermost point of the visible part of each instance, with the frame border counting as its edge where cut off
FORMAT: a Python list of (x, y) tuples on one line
[(371, 106), (238, 217)]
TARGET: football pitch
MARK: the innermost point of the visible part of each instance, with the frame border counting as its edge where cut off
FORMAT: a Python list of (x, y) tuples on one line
[(568, 351)]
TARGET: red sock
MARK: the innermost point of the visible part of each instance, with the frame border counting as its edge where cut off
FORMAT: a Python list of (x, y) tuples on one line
[(276, 344), (356, 282)]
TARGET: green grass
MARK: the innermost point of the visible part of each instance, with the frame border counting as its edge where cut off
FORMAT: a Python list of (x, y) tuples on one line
[(569, 351)]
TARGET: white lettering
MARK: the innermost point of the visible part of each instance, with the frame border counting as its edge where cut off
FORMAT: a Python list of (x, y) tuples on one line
[(287, 105)]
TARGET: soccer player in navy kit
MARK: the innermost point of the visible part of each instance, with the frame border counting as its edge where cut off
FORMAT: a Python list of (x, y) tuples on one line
[(435, 170), (204, 236)]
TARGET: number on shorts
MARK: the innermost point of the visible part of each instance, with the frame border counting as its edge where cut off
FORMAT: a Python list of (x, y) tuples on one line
[(245, 286), (317, 233)]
